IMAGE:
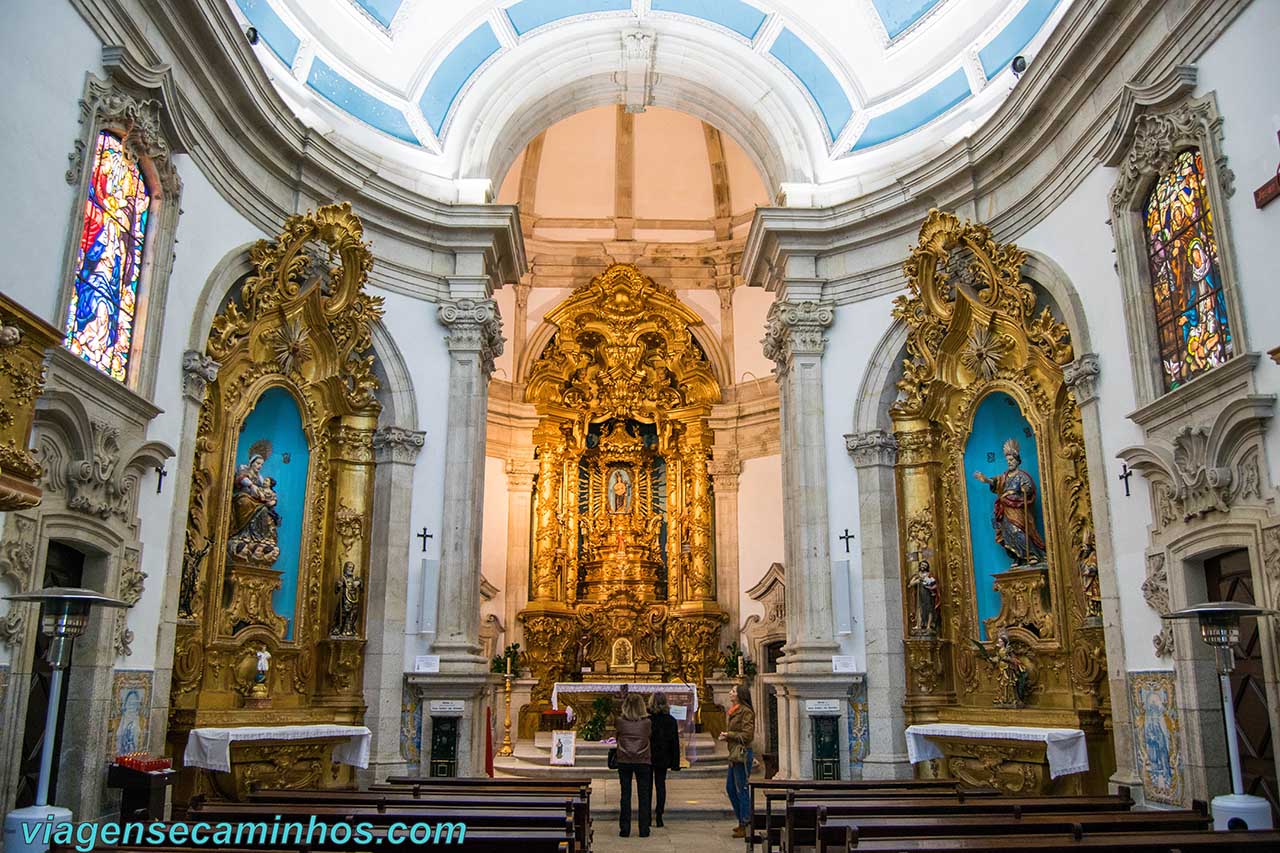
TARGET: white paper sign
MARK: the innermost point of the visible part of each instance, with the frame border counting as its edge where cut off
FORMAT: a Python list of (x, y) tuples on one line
[(680, 712), (448, 707), (843, 663), (426, 663), (563, 746), (821, 706)]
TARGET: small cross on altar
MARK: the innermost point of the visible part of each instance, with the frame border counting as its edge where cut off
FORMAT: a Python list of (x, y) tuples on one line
[(1124, 476), (845, 537), (424, 536)]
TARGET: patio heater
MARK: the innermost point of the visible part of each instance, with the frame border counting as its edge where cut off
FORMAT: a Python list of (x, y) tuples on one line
[(1220, 628), (64, 614)]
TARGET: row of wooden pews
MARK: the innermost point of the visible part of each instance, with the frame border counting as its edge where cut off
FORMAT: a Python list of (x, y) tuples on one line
[(942, 816), (500, 815)]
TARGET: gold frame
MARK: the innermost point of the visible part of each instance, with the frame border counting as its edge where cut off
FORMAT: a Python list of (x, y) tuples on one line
[(973, 330), (302, 322)]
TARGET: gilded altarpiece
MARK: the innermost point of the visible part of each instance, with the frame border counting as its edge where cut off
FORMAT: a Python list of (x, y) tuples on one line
[(1008, 631), (271, 606), (623, 580)]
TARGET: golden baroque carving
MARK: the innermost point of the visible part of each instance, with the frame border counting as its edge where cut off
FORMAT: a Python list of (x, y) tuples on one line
[(23, 341)]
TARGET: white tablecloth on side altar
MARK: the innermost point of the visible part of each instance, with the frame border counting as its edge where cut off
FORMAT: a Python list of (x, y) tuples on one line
[(1065, 748), (210, 748), (616, 687)]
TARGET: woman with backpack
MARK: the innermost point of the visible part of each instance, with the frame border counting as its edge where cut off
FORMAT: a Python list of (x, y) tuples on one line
[(664, 747)]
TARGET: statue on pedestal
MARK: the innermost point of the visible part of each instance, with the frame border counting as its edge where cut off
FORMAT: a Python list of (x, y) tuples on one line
[(1014, 517), (347, 616), (254, 519), (1013, 680), (928, 602)]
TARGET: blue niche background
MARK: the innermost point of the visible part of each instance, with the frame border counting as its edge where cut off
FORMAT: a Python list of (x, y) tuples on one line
[(998, 419), (275, 417)]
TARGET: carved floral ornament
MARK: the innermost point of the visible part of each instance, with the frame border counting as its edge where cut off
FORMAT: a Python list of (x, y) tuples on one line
[(302, 322), (974, 328)]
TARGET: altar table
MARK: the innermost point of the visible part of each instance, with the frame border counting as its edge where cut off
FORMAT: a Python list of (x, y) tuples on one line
[(1065, 749), (606, 687), (210, 748)]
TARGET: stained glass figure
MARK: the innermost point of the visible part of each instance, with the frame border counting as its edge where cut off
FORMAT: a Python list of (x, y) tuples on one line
[(1192, 327), (100, 319)]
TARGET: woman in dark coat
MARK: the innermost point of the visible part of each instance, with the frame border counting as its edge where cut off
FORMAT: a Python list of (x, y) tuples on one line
[(664, 746), (739, 734), (634, 762)]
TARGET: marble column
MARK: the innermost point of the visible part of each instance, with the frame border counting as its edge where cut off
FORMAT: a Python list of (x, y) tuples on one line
[(395, 455), (795, 339), (520, 475), (874, 453), (1081, 376), (474, 339), (725, 469)]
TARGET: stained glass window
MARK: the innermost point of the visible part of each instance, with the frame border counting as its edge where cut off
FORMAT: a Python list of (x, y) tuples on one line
[(100, 320), (1192, 327)]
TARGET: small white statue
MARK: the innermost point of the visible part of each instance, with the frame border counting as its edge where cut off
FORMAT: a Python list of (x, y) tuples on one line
[(264, 661)]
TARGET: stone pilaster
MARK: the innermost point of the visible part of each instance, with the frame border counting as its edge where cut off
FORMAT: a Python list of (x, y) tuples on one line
[(520, 476), (795, 339), (475, 340), (395, 452), (1081, 376), (724, 469), (874, 453)]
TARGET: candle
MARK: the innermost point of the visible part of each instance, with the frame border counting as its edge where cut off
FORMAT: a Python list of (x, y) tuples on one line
[(739, 666), (508, 664)]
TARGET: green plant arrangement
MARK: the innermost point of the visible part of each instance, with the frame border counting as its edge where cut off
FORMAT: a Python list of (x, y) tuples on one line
[(729, 662), (593, 728), (499, 662)]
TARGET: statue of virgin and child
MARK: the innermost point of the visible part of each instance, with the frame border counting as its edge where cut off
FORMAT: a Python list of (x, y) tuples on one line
[(254, 520)]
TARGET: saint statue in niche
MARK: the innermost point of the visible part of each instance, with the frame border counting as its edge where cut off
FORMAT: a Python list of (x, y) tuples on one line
[(928, 601), (348, 610), (619, 490), (1014, 517), (254, 519)]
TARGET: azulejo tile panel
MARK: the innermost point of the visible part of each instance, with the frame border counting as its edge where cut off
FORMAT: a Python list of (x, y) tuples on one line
[(1157, 730)]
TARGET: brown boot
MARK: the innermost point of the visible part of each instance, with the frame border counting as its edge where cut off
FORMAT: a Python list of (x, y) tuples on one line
[(740, 831)]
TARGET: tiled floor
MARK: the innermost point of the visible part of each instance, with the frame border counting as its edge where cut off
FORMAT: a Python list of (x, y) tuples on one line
[(698, 819)]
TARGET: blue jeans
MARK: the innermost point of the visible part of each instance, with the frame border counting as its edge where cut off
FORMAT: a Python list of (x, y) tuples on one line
[(735, 785)]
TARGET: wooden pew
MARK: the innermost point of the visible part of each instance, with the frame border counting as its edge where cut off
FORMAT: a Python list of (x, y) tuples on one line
[(801, 818), (1115, 842), (834, 834)]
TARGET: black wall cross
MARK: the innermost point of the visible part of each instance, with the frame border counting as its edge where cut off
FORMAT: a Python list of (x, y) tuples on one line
[(846, 537), (424, 536), (1124, 476), (160, 475)]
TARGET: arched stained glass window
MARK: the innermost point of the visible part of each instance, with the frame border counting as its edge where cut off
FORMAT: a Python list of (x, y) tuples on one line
[(1192, 326), (104, 298)]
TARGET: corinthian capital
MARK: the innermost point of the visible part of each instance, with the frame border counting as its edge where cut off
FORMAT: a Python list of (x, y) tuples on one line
[(198, 370), (1081, 377), (873, 447), (796, 328), (474, 326), (397, 444)]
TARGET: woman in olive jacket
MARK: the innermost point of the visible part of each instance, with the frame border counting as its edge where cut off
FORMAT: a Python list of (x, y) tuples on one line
[(739, 734), (664, 747), (634, 762)]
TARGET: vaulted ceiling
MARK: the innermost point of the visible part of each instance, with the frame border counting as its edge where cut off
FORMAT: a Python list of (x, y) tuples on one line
[(813, 90)]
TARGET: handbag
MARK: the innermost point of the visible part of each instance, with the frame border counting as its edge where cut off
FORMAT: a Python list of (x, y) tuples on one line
[(612, 760), (737, 753)]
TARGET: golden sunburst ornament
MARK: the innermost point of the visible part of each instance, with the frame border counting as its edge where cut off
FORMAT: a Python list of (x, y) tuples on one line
[(982, 355), (290, 345)]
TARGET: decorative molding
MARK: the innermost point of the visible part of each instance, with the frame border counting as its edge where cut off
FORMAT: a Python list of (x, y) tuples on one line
[(11, 626), (397, 444), (1155, 591), (474, 326), (1176, 83), (771, 593), (636, 75), (198, 370), (796, 329), (1081, 376), (18, 551), (873, 447)]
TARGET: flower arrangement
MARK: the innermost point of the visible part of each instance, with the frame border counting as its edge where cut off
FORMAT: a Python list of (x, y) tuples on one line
[(507, 663), (735, 663), (593, 728)]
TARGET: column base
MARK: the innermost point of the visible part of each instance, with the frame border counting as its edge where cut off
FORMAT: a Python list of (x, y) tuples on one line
[(795, 727), (471, 688), (884, 765), (808, 658)]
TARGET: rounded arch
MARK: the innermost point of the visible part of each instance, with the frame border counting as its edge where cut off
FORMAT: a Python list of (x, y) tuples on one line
[(523, 91), (1053, 281), (234, 266), (879, 387)]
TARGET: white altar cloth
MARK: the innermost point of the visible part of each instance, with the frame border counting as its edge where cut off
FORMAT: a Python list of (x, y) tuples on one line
[(1065, 748), (616, 687), (210, 748)]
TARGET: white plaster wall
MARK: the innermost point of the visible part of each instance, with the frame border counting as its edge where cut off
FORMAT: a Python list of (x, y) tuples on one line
[(420, 338), (504, 365), (1250, 104), (1076, 236), (706, 304), (750, 308), (43, 83), (493, 547), (759, 526)]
